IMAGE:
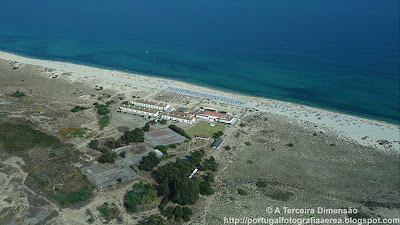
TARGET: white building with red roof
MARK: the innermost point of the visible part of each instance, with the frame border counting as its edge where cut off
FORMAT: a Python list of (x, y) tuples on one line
[(213, 115)]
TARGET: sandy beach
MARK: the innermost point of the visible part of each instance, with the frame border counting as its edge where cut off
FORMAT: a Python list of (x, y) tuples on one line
[(364, 131)]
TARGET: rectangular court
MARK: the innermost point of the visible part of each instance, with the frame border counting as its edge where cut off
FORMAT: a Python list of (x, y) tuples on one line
[(164, 136), (107, 174)]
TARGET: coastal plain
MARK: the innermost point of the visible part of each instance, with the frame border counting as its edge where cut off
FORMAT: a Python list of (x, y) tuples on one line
[(306, 157)]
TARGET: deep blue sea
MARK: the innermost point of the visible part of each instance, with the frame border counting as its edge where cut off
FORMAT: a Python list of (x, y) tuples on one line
[(336, 54)]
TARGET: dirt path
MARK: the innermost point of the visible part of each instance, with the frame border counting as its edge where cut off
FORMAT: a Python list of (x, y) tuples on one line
[(24, 175)]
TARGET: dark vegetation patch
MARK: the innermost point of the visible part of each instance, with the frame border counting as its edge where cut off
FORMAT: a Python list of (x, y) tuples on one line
[(17, 94), (141, 194), (281, 195), (71, 197), (21, 136), (78, 108), (48, 161), (109, 211), (242, 192), (178, 213), (179, 131)]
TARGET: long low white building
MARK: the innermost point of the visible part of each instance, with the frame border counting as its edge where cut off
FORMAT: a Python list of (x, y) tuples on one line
[(179, 117), (149, 104), (139, 110)]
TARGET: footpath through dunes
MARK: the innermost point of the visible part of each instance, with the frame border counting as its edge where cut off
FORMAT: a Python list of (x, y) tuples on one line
[(277, 162)]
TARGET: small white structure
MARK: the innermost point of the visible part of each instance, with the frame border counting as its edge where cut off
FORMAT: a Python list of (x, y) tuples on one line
[(194, 172), (139, 110), (202, 137), (149, 104), (179, 117)]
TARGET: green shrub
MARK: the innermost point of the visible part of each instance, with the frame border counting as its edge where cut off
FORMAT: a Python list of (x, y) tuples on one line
[(71, 197), (18, 94), (261, 184), (78, 108), (102, 110), (247, 143), (205, 188), (218, 134), (94, 144), (281, 195), (172, 145), (122, 154), (119, 180), (146, 127), (149, 162), (242, 192), (78, 133), (210, 164), (108, 212), (135, 135), (104, 120), (290, 144), (210, 177), (163, 202), (153, 220), (108, 157), (162, 149), (179, 131), (227, 147), (90, 220), (141, 194)]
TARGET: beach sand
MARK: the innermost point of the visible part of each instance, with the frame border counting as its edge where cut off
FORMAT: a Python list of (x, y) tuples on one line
[(365, 131)]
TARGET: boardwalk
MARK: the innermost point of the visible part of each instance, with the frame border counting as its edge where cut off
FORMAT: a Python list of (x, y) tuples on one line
[(206, 95)]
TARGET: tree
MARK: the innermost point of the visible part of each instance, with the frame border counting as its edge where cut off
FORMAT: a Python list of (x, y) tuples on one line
[(179, 131), (122, 154), (210, 164), (102, 110), (135, 135), (163, 202), (186, 191), (153, 220), (205, 188), (163, 121), (94, 144), (78, 108), (162, 149), (146, 127), (178, 212), (218, 134), (108, 157), (149, 162), (196, 156), (141, 194), (187, 212), (108, 211), (210, 177), (110, 143), (117, 143)]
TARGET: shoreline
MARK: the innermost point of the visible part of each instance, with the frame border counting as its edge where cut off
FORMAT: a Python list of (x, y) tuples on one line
[(218, 88), (354, 127)]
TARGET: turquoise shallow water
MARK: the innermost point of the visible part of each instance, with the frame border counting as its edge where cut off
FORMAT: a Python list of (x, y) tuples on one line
[(341, 55)]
